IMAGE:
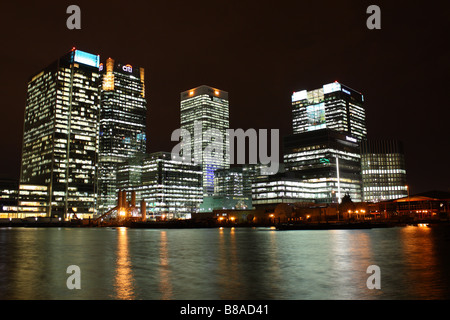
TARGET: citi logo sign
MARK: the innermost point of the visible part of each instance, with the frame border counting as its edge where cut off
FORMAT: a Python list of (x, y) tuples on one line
[(127, 68)]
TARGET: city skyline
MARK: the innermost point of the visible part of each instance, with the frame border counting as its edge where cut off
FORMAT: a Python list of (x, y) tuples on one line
[(202, 156), (381, 74)]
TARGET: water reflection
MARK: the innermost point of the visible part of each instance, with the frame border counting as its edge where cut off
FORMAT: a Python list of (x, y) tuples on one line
[(248, 264), (273, 274), (165, 285), (228, 264), (124, 283), (351, 254), (422, 268), (225, 264), (28, 265)]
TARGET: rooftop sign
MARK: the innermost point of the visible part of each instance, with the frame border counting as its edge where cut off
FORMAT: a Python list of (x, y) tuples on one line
[(86, 58)]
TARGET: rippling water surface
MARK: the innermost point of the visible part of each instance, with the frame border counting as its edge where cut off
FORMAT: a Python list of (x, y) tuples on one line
[(237, 263)]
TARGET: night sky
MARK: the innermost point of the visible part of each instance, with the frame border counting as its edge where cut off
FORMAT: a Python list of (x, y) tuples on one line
[(258, 51)]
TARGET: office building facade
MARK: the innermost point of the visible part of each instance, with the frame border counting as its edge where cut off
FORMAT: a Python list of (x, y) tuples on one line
[(230, 182), (334, 106), (129, 172), (327, 162), (282, 187), (169, 187), (202, 109), (122, 124), (383, 170), (60, 137), (9, 198), (231, 191)]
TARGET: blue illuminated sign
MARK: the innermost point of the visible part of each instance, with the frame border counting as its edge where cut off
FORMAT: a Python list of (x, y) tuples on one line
[(346, 91), (86, 58)]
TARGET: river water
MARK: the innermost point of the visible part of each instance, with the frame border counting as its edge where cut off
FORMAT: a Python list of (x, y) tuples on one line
[(228, 263)]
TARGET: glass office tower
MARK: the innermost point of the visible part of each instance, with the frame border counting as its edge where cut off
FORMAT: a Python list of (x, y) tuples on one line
[(383, 170), (334, 106), (122, 124), (60, 138), (205, 108), (328, 162)]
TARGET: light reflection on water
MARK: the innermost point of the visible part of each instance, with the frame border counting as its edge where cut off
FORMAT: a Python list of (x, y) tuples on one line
[(123, 280), (229, 263), (422, 255), (165, 286)]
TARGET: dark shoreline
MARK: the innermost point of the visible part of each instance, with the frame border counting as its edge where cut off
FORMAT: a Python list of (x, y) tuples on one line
[(187, 224)]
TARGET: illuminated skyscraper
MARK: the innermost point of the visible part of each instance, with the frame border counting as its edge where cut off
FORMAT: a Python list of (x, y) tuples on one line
[(334, 106), (122, 124), (60, 138), (327, 163), (204, 108), (383, 170)]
